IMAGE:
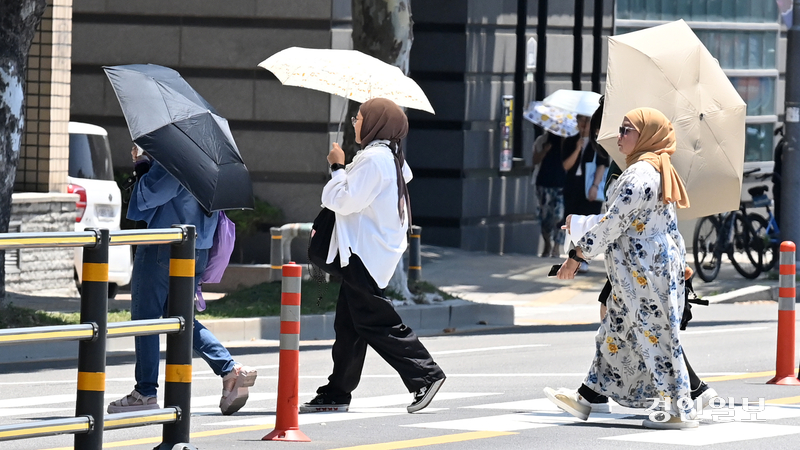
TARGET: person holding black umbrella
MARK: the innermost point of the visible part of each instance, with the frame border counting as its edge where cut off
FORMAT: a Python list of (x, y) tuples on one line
[(161, 201)]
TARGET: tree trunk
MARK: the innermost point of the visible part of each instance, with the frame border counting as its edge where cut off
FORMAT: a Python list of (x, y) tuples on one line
[(18, 22), (382, 29)]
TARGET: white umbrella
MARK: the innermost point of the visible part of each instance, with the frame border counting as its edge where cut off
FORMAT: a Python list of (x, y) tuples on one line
[(668, 68), (346, 73), (584, 103), (553, 120)]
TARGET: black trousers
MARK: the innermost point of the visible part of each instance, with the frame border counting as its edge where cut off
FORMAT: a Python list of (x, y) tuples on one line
[(364, 317)]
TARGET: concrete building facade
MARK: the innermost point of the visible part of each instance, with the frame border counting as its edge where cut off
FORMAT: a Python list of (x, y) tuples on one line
[(463, 56)]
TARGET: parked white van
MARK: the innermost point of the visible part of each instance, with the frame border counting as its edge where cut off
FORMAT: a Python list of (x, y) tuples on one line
[(91, 176)]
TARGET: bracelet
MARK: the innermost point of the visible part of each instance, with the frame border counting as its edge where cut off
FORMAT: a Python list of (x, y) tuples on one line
[(573, 254), (336, 166)]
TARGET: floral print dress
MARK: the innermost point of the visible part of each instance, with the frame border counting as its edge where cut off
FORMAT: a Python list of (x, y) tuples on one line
[(639, 354)]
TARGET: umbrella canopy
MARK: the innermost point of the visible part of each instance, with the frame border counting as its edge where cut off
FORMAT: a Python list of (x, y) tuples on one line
[(686, 83), (183, 132), (579, 102), (346, 73), (553, 120)]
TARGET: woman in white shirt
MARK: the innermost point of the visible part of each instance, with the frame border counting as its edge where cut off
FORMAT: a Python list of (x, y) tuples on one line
[(371, 203)]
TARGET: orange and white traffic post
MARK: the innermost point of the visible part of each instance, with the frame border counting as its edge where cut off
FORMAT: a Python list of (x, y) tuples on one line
[(784, 364), (286, 413)]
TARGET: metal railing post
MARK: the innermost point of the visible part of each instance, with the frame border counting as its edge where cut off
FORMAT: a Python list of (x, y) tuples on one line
[(178, 371), (90, 399), (414, 256)]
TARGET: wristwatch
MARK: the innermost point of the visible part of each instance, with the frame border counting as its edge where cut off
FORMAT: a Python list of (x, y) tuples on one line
[(336, 166), (573, 254)]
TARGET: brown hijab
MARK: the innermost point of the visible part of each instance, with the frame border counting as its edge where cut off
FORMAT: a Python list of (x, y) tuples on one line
[(655, 145), (383, 119)]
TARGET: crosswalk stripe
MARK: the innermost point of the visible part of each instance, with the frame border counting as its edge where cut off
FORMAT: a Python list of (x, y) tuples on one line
[(446, 439), (486, 349), (710, 434)]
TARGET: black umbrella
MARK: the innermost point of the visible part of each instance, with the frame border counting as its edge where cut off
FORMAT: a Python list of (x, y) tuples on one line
[(183, 132)]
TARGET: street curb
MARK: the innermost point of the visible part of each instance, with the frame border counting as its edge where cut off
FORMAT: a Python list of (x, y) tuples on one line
[(437, 319), (747, 294)]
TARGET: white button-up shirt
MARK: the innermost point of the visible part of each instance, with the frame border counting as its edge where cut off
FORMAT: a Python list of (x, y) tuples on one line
[(364, 198)]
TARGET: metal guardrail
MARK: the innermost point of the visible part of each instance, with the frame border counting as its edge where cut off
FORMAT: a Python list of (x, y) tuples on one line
[(281, 248), (92, 333)]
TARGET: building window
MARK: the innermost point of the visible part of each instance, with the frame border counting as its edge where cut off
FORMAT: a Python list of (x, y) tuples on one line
[(744, 11), (742, 35)]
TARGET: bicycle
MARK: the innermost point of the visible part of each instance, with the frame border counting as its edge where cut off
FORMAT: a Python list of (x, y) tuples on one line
[(766, 230), (733, 234)]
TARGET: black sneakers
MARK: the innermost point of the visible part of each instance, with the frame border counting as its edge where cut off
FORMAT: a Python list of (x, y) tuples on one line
[(320, 403), (424, 396)]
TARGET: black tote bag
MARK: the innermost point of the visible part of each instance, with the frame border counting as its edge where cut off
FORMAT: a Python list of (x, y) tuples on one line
[(320, 242)]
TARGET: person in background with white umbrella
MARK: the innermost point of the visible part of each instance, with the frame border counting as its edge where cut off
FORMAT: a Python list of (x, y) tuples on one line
[(575, 154), (550, 191), (370, 200), (645, 261), (557, 124)]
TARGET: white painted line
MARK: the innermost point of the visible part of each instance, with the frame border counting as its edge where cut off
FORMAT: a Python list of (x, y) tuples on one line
[(724, 330), (515, 422), (209, 400), (8, 412), (487, 349), (35, 401), (405, 399), (515, 375), (710, 434), (313, 418)]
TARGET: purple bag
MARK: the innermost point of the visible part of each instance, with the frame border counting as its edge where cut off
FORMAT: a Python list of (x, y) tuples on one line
[(218, 256)]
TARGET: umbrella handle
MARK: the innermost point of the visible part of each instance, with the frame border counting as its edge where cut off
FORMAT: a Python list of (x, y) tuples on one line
[(341, 119)]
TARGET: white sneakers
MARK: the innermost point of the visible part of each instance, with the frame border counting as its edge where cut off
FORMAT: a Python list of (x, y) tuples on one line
[(570, 401)]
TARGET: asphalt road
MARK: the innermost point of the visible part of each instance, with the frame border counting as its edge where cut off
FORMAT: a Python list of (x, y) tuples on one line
[(492, 399)]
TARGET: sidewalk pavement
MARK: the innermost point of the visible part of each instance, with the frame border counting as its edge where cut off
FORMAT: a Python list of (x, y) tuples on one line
[(493, 290)]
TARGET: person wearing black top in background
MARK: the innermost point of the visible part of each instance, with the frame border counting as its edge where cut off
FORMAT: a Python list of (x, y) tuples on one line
[(550, 191)]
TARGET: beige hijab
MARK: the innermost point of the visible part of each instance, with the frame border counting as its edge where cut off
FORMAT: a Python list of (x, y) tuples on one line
[(655, 145)]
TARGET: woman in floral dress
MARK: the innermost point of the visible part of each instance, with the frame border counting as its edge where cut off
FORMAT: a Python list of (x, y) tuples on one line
[(639, 357)]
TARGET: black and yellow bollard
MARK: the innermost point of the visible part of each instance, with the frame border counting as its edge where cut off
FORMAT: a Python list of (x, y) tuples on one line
[(276, 254), (414, 256), (90, 399), (178, 372)]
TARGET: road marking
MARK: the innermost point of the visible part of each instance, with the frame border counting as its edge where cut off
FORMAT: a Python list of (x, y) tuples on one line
[(487, 349), (360, 408), (724, 330), (35, 401), (158, 439), (710, 434), (446, 439), (8, 412), (784, 401), (741, 376)]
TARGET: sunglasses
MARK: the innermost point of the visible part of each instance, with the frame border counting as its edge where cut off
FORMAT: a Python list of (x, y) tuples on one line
[(624, 130)]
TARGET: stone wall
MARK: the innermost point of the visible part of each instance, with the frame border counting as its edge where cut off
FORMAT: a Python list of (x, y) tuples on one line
[(48, 268)]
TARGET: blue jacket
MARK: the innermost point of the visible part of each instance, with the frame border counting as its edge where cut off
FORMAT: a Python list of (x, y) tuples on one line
[(161, 201)]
